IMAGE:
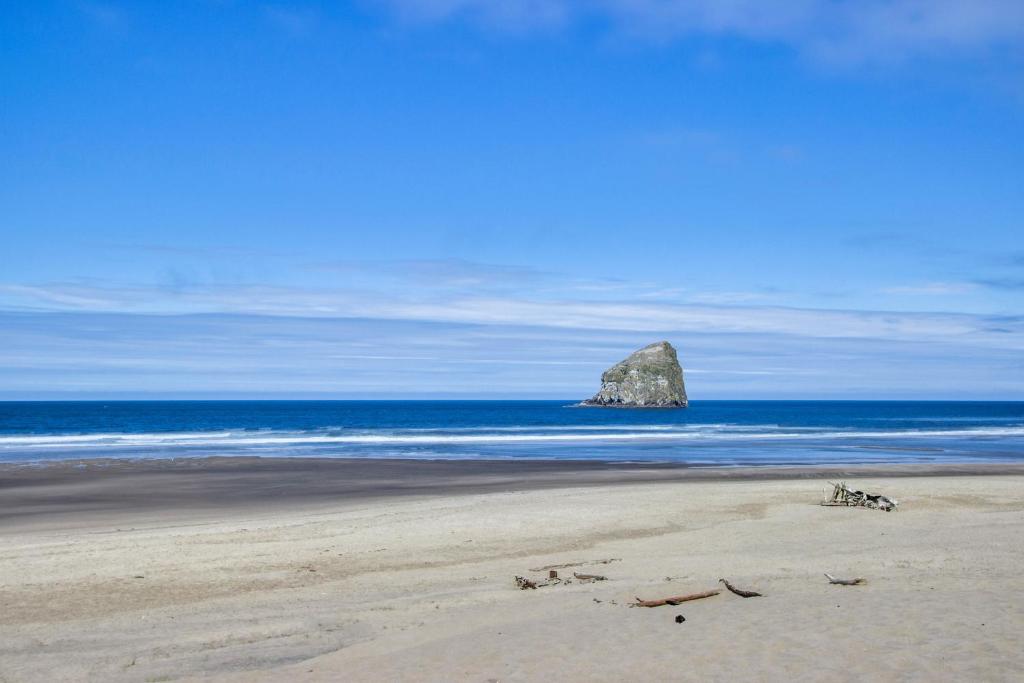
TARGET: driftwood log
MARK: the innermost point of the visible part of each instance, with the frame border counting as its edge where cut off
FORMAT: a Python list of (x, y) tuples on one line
[(590, 577), (674, 600), (740, 592), (845, 582)]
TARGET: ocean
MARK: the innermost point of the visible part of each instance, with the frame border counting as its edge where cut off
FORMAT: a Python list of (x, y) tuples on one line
[(708, 433)]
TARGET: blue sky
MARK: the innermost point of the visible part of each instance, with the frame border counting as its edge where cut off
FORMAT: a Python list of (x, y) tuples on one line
[(446, 198)]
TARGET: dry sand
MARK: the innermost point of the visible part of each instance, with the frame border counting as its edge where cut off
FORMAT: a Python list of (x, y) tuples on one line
[(420, 587)]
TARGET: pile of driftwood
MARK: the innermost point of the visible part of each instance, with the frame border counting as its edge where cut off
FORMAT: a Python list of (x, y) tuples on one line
[(844, 495), (554, 579)]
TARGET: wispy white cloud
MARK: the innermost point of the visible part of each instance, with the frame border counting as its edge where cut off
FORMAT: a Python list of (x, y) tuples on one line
[(508, 15), (350, 356), (465, 308), (728, 297), (62, 297), (702, 371), (933, 288), (830, 30), (195, 355), (446, 272), (449, 326)]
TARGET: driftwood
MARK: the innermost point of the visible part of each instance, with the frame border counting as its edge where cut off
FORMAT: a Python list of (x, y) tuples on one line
[(740, 592), (845, 582), (526, 584), (844, 495), (674, 600), (553, 579)]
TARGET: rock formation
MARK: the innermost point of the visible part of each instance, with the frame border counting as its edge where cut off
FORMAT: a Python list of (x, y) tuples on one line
[(649, 378)]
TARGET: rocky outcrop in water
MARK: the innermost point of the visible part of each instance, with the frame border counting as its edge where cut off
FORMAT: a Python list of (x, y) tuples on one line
[(649, 378)]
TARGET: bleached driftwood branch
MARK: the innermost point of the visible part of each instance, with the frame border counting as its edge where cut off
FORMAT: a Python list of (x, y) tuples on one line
[(674, 600), (845, 582)]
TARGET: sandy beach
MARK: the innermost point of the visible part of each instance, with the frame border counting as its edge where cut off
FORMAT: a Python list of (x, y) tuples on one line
[(213, 570), (496, 341)]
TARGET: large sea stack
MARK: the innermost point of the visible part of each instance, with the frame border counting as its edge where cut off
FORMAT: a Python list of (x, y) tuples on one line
[(649, 378)]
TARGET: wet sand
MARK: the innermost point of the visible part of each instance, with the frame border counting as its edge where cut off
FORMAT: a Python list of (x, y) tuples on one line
[(76, 493)]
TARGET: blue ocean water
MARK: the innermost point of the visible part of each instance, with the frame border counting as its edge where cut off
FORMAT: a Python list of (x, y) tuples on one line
[(708, 433)]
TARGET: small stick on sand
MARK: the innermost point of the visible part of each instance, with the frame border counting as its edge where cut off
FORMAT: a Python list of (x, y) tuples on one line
[(740, 592), (845, 582), (590, 577), (674, 600)]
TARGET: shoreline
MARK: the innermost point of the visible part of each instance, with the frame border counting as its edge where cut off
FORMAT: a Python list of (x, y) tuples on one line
[(64, 494)]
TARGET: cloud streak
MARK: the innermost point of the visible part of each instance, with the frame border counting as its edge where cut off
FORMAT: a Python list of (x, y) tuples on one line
[(55, 354), (933, 288), (448, 327), (825, 30), (648, 317), (448, 272)]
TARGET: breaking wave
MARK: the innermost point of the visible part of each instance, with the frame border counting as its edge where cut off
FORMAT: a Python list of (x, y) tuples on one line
[(499, 435)]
